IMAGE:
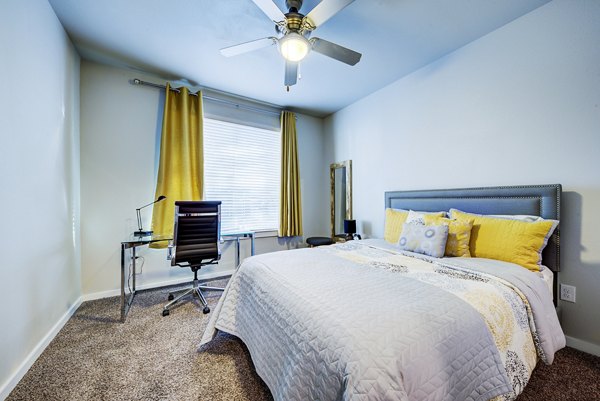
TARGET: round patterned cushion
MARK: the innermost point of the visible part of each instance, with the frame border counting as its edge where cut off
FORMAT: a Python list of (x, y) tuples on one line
[(318, 241)]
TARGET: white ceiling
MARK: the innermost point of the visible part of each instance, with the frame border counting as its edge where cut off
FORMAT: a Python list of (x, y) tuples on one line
[(180, 39)]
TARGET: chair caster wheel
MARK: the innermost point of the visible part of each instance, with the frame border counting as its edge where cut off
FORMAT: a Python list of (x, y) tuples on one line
[(206, 310), (170, 298), (165, 312)]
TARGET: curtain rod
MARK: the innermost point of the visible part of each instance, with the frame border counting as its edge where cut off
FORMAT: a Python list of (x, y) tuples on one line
[(137, 81)]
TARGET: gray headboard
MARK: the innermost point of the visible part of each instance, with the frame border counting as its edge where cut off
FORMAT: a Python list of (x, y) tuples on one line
[(538, 200)]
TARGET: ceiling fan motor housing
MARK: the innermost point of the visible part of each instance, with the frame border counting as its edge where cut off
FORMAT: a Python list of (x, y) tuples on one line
[(293, 18), (297, 4), (294, 21)]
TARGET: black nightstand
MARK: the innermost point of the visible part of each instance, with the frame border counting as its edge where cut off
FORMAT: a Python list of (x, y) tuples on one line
[(347, 237)]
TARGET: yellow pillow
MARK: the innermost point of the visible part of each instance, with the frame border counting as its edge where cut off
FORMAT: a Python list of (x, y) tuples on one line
[(459, 234), (514, 241), (394, 219)]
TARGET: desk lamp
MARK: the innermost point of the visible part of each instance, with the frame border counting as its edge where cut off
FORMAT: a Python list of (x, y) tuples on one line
[(141, 232)]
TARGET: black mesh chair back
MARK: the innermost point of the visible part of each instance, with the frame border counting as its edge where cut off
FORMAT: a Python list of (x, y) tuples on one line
[(197, 233), (196, 237)]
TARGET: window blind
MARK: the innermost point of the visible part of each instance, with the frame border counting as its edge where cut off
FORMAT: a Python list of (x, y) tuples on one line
[(242, 170)]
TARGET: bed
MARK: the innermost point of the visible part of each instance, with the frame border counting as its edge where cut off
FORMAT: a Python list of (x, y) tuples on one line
[(364, 320)]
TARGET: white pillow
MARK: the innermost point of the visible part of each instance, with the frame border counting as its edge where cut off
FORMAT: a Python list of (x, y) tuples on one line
[(520, 217), (415, 217)]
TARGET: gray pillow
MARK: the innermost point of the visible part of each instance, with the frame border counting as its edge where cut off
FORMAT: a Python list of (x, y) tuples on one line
[(428, 240)]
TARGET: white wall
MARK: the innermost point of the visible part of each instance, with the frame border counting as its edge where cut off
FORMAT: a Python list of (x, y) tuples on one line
[(518, 106), (39, 183), (314, 176), (120, 128)]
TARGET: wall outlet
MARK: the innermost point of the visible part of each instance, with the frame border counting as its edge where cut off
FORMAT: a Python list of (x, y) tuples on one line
[(567, 293)]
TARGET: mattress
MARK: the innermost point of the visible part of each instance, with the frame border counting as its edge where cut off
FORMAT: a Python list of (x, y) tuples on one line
[(364, 321)]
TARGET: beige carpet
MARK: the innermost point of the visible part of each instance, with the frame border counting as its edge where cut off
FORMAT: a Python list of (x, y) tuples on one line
[(150, 357)]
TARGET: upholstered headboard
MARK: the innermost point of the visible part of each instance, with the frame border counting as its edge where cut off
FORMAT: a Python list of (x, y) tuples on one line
[(538, 200)]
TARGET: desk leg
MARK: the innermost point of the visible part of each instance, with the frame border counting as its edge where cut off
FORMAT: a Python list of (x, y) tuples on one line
[(133, 259), (237, 252), (123, 300), (126, 301), (252, 244)]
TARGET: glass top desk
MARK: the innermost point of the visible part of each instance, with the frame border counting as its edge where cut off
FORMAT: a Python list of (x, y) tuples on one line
[(128, 270)]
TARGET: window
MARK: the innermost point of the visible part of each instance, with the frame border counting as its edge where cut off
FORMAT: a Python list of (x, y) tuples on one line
[(241, 169)]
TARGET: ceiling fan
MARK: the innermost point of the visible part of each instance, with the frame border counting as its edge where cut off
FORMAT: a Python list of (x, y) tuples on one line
[(295, 29)]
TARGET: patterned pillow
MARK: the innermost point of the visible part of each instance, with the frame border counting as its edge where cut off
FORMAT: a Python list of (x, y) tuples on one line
[(459, 235), (428, 240)]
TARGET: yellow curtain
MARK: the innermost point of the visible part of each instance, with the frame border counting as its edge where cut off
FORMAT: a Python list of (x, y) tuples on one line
[(181, 164), (290, 215)]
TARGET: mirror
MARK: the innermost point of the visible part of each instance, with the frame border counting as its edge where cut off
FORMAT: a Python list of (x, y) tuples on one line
[(341, 195)]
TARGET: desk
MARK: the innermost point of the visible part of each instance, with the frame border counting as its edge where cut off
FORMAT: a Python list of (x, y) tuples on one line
[(135, 241), (237, 236)]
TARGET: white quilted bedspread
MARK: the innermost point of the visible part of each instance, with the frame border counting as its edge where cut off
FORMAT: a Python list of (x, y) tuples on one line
[(356, 321)]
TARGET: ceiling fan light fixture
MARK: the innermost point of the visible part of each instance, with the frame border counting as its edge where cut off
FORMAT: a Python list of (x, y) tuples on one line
[(294, 47)]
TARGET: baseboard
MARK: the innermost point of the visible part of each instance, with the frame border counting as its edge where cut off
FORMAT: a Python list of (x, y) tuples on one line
[(166, 283), (584, 346), (12, 382)]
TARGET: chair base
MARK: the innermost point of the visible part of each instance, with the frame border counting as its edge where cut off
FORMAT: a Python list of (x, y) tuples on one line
[(195, 290)]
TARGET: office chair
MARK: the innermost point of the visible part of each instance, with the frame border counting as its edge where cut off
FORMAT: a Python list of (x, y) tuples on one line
[(196, 237)]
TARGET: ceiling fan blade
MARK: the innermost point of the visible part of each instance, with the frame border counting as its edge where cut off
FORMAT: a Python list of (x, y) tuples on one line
[(334, 51), (248, 46), (325, 10), (271, 9), (291, 73)]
